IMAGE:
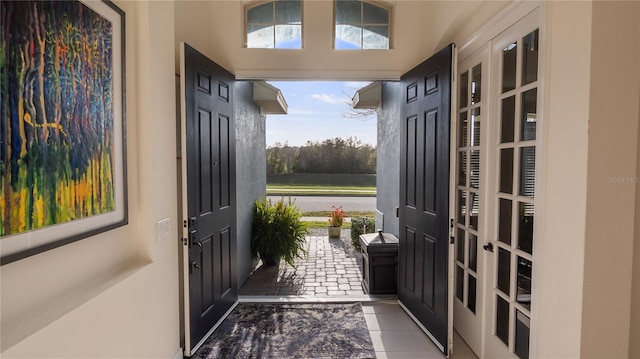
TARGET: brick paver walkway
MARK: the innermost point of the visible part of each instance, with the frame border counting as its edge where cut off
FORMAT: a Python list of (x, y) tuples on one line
[(330, 269)]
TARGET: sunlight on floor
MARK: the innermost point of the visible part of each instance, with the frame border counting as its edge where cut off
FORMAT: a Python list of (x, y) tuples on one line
[(330, 264), (395, 335)]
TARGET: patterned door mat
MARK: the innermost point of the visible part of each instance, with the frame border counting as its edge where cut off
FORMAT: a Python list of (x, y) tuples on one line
[(280, 331)]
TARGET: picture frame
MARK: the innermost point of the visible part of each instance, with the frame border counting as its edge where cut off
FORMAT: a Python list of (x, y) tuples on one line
[(63, 169)]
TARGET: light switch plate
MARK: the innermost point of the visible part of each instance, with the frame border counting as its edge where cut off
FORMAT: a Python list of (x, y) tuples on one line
[(163, 229)]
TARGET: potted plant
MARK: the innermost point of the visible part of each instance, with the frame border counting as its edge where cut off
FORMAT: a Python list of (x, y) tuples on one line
[(277, 232), (336, 218)]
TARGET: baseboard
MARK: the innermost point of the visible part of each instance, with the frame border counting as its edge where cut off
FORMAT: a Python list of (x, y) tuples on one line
[(179, 354)]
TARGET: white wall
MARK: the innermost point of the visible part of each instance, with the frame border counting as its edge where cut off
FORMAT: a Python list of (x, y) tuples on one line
[(115, 294)]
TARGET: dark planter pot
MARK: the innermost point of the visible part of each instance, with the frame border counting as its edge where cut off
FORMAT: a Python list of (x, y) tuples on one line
[(270, 261)]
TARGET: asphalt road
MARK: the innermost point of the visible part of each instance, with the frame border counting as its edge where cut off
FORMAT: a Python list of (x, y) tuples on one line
[(323, 203)]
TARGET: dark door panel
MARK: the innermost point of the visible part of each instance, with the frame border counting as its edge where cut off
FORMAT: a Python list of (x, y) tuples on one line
[(210, 150), (424, 193)]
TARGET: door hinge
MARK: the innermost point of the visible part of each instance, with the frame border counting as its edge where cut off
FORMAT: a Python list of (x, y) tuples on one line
[(184, 241), (452, 232)]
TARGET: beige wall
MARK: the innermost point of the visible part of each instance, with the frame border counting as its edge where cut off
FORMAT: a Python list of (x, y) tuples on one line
[(613, 138), (583, 281), (634, 334), (558, 274), (115, 294), (192, 26), (420, 28)]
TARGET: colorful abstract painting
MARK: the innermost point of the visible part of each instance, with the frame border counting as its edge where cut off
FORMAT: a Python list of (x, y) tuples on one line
[(57, 125)]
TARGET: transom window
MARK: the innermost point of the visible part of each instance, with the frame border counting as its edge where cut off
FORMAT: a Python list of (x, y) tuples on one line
[(361, 25), (274, 24)]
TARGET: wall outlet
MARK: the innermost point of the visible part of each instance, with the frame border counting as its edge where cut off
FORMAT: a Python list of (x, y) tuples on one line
[(163, 229)]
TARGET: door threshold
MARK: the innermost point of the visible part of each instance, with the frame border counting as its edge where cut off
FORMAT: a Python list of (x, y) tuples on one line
[(197, 346), (423, 328), (365, 298)]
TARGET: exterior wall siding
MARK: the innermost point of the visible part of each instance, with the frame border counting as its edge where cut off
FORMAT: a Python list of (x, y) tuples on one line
[(388, 152), (251, 170)]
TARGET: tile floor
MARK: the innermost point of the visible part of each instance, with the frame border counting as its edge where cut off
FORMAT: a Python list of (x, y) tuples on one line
[(395, 335), (331, 272)]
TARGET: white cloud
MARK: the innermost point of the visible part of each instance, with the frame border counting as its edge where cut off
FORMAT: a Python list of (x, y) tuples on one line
[(315, 114), (330, 99)]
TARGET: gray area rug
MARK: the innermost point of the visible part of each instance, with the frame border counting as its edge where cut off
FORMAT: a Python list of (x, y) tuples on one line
[(280, 331)]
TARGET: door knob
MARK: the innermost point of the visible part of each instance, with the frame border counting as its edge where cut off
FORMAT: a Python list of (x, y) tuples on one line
[(194, 263), (488, 247)]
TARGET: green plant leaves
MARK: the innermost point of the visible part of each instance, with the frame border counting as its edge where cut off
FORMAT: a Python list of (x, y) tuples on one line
[(277, 232), (361, 225)]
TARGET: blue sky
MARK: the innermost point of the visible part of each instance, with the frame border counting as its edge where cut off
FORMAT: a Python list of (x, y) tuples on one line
[(316, 113)]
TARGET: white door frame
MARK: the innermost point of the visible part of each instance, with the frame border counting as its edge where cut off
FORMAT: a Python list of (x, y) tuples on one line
[(493, 345), (481, 42), (469, 325)]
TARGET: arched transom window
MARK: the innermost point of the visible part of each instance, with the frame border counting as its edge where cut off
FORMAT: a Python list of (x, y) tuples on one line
[(274, 24), (362, 24)]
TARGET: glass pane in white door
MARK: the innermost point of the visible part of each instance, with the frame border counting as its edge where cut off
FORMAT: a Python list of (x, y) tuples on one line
[(468, 185), (515, 210)]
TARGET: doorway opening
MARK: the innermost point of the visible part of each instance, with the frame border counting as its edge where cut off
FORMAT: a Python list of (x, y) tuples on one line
[(322, 156)]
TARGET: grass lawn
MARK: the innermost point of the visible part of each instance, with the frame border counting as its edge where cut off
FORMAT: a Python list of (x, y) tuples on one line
[(292, 190), (324, 224), (346, 214)]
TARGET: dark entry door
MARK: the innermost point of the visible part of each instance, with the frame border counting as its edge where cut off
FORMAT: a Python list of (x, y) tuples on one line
[(209, 142), (424, 193)]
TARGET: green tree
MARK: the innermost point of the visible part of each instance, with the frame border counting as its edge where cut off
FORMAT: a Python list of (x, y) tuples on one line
[(336, 155)]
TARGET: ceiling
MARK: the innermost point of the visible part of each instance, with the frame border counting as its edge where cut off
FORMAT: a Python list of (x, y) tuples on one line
[(419, 29)]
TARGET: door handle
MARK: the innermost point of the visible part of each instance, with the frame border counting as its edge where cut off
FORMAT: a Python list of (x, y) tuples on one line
[(193, 237), (194, 263), (488, 247)]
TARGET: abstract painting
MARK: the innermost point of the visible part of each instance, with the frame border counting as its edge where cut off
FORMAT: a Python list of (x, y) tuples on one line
[(62, 145)]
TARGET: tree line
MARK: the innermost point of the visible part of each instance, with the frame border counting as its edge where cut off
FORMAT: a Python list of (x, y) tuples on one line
[(335, 155)]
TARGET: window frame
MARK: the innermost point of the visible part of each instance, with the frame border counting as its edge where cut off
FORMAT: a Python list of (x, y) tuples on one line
[(245, 30), (381, 4)]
